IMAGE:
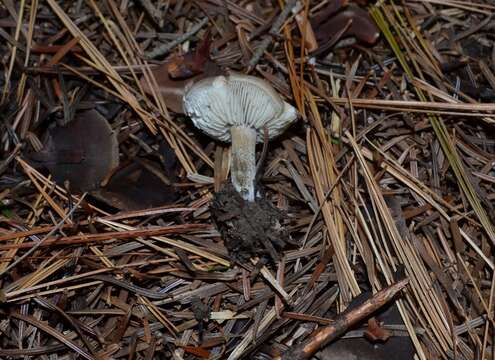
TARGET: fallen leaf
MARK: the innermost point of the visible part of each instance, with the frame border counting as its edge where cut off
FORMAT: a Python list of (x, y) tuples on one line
[(339, 20), (134, 187), (83, 152)]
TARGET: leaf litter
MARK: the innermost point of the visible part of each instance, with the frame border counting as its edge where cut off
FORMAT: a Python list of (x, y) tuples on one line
[(379, 229)]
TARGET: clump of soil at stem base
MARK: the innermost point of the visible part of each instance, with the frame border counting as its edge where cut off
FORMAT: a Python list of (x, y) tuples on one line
[(249, 228)]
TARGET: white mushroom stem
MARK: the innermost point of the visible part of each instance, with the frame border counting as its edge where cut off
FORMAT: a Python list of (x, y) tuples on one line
[(243, 170)]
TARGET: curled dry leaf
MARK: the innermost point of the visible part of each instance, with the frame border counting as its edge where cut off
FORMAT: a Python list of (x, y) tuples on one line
[(375, 332), (179, 72), (329, 10), (351, 20), (83, 152), (191, 64)]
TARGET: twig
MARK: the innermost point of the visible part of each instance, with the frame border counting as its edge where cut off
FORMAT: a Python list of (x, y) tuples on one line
[(274, 30), (342, 323), (165, 48), (153, 12)]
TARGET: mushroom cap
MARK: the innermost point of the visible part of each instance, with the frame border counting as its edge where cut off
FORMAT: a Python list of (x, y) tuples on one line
[(218, 103)]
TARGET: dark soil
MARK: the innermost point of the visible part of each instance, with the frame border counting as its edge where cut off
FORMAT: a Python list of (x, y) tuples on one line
[(249, 228)]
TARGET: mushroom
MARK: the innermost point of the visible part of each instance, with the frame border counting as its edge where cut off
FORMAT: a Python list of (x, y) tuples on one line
[(237, 108)]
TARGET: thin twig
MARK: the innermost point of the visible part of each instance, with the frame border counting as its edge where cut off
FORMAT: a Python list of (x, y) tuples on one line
[(274, 30), (153, 12), (165, 48)]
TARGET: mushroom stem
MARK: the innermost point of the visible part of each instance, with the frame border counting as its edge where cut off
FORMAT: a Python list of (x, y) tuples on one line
[(243, 170)]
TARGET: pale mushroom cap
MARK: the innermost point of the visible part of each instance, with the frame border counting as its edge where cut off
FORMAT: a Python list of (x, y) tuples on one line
[(216, 104)]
